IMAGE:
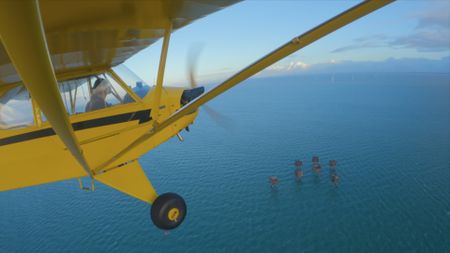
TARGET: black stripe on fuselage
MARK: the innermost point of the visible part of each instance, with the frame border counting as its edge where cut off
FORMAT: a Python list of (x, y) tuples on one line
[(142, 116)]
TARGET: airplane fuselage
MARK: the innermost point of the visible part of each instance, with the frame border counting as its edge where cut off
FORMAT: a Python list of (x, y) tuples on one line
[(41, 157)]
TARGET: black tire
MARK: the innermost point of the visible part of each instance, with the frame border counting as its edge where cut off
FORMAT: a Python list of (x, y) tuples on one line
[(166, 205)]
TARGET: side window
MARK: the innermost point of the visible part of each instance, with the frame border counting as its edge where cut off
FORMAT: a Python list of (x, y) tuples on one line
[(75, 94), (16, 110), (92, 93)]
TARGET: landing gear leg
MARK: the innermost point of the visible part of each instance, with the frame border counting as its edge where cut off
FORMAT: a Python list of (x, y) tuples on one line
[(168, 211)]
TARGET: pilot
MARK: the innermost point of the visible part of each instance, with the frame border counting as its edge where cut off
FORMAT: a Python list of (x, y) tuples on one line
[(101, 89)]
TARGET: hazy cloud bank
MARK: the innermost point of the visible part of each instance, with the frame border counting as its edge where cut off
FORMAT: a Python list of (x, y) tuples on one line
[(388, 65), (431, 34)]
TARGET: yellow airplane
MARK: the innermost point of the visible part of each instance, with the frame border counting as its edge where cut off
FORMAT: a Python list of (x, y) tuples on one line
[(70, 110)]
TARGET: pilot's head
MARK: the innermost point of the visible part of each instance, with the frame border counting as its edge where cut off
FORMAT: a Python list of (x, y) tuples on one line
[(101, 87)]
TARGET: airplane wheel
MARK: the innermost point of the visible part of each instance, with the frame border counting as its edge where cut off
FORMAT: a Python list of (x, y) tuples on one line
[(168, 211)]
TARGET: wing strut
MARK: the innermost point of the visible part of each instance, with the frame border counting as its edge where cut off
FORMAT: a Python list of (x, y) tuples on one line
[(290, 47), (159, 81), (22, 34)]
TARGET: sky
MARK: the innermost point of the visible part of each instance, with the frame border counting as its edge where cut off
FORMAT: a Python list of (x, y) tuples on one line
[(406, 35)]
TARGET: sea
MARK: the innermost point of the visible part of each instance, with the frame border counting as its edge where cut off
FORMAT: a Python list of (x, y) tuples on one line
[(388, 132)]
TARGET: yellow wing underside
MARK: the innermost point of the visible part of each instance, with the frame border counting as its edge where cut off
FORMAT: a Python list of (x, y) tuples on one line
[(84, 36)]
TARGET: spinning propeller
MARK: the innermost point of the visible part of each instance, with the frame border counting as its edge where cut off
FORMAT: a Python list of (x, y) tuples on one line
[(195, 91)]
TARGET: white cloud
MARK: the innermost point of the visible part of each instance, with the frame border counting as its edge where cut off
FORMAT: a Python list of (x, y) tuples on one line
[(287, 66), (297, 65)]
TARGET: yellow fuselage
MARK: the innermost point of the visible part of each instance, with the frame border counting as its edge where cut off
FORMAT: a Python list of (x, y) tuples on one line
[(35, 155)]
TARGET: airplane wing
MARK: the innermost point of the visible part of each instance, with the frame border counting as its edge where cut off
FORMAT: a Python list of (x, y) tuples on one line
[(96, 35)]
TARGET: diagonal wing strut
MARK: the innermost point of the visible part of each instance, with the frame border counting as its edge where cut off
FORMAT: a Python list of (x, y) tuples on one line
[(22, 34), (292, 46)]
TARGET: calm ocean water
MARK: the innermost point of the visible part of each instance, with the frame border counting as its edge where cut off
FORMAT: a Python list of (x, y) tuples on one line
[(388, 132)]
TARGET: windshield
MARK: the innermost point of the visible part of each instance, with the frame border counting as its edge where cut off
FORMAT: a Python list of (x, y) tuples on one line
[(132, 80)]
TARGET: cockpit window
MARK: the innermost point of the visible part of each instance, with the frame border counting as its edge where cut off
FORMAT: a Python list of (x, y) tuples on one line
[(92, 93), (132, 80), (16, 110)]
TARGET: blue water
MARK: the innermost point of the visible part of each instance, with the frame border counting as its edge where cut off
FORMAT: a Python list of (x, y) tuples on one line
[(388, 132)]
